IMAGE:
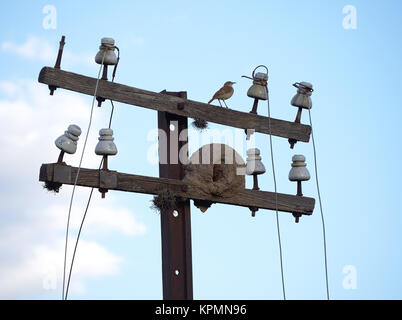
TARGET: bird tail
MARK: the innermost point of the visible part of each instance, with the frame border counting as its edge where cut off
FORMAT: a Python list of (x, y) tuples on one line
[(211, 100)]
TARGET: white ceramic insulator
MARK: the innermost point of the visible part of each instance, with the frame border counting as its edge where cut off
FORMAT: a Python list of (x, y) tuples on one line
[(68, 141), (257, 91), (254, 164), (106, 52), (107, 41), (106, 146), (261, 76), (299, 171), (302, 99)]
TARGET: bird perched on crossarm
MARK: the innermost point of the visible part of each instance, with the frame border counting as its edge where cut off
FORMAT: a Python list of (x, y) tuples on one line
[(223, 93)]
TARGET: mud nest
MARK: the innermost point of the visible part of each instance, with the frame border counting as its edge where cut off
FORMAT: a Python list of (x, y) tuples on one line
[(217, 170), (200, 124)]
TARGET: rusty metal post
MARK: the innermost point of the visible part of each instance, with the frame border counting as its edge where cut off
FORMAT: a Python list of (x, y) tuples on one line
[(292, 142), (255, 106), (58, 61), (175, 223)]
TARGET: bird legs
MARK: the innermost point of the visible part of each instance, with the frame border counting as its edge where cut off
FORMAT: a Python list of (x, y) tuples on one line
[(219, 100)]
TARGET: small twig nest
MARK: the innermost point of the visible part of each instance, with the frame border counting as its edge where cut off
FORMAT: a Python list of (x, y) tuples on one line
[(200, 124), (164, 201), (52, 186)]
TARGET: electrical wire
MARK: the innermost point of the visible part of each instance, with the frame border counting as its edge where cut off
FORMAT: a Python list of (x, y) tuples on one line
[(90, 194), (111, 115), (78, 237), (85, 214), (276, 196), (76, 177), (319, 200)]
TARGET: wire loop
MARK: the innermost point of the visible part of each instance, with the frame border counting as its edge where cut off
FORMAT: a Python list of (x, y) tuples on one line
[(299, 85)]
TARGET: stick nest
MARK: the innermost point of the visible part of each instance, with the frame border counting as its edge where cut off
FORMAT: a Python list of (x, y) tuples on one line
[(52, 186), (200, 124), (165, 200)]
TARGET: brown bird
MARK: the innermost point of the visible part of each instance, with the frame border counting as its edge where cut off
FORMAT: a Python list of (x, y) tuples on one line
[(223, 93)]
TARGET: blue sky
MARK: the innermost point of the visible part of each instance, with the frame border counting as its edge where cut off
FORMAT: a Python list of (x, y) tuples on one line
[(195, 47)]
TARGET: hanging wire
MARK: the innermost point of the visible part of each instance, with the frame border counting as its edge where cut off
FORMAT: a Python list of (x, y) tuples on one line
[(90, 195), (276, 194), (84, 216), (111, 114), (78, 172), (113, 76), (78, 237), (319, 199), (115, 66)]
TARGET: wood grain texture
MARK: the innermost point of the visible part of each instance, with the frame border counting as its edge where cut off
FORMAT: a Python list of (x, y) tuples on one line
[(151, 185), (188, 108)]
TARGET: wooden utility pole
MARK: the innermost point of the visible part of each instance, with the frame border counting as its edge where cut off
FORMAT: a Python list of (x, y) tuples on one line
[(177, 272), (173, 109)]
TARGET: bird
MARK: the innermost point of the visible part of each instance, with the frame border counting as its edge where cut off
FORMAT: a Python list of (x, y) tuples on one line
[(223, 93)]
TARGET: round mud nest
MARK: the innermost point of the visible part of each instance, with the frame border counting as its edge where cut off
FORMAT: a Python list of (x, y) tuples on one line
[(215, 169)]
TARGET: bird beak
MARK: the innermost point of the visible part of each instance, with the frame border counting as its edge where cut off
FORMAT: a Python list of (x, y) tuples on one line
[(233, 82)]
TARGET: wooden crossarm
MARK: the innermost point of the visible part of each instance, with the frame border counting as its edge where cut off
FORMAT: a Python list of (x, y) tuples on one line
[(114, 180), (176, 105)]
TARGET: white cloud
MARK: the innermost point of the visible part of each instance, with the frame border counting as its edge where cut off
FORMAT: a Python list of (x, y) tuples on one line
[(39, 49), (8, 88), (32, 223), (120, 219), (33, 120), (104, 217), (41, 270), (33, 48)]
